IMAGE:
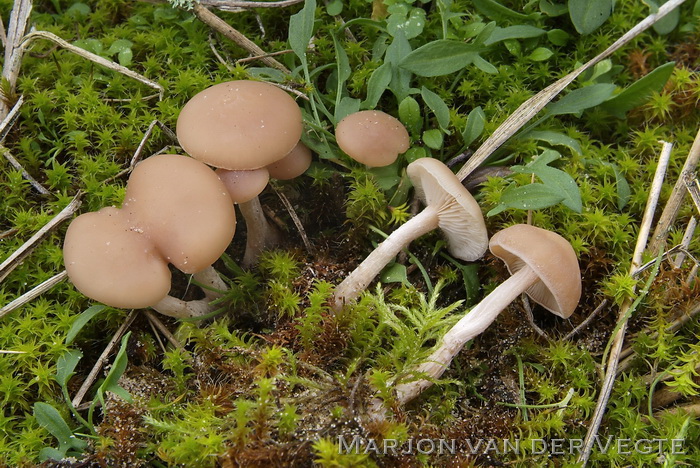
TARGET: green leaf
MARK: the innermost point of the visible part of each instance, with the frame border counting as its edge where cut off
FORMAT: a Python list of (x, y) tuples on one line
[(527, 197), (437, 105), (408, 20), (410, 115), (588, 15), (394, 273), (301, 28), (639, 91), (556, 180), (119, 45), (346, 107), (495, 10), (433, 138), (65, 366), (553, 9), (386, 177), (82, 320), (540, 54), (334, 7), (414, 153), (558, 37), (377, 84), (400, 83), (111, 382), (555, 138), (124, 57), (440, 57), (581, 99), (624, 192), (50, 419), (669, 22), (91, 45), (484, 65), (513, 32), (475, 126)]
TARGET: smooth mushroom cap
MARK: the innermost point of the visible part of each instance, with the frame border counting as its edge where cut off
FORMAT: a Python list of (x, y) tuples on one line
[(550, 256), (113, 262), (293, 164), (183, 206), (459, 215), (371, 137), (243, 186), (239, 125)]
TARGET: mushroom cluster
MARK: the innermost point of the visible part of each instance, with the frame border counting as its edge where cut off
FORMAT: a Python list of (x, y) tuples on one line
[(176, 210)]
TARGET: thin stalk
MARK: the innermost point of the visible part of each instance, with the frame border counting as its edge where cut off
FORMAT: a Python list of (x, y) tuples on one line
[(260, 234), (177, 308), (359, 279), (469, 326)]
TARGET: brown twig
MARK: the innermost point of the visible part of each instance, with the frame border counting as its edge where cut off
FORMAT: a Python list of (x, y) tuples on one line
[(693, 187), (685, 243), (10, 119), (11, 159), (154, 320), (19, 18), (297, 222), (21, 253), (222, 27), (259, 57), (532, 106), (668, 215), (531, 317), (102, 359), (33, 293), (234, 5)]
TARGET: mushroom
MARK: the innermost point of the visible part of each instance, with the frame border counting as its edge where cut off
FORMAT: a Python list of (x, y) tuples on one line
[(242, 126), (448, 206), (292, 165), (542, 264), (372, 137), (110, 260)]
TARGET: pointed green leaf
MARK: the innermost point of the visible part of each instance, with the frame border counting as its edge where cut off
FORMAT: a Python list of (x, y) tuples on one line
[(440, 57), (437, 105), (475, 126), (65, 366), (639, 91), (301, 28), (581, 99), (588, 15), (82, 320)]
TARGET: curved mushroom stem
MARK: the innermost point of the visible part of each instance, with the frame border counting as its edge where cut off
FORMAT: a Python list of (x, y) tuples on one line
[(174, 307), (469, 326), (260, 234), (359, 279), (211, 278)]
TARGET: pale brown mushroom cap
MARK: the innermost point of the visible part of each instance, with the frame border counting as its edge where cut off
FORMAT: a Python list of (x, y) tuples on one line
[(459, 215), (550, 256), (240, 125), (243, 186), (184, 207), (113, 262), (372, 137), (293, 164)]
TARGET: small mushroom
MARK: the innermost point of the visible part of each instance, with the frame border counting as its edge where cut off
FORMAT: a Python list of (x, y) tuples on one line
[(113, 262), (242, 126), (542, 264), (372, 137), (448, 206), (183, 207), (292, 165)]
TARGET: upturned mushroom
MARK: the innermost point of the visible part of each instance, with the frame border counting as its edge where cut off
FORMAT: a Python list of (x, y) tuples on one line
[(242, 126), (372, 137), (543, 265), (448, 206)]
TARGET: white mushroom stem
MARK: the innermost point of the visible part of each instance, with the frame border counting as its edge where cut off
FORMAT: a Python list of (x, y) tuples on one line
[(210, 277), (469, 326), (359, 279), (174, 307), (260, 234)]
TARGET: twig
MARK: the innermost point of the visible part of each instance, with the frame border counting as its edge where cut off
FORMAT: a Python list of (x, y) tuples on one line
[(157, 335), (233, 5), (217, 54), (35, 183), (618, 338), (668, 216), (163, 329), (92, 57), (3, 35), (102, 359), (588, 319), (685, 243), (20, 254), (221, 26), (297, 222), (258, 57), (672, 327), (692, 409), (8, 233), (530, 317), (10, 118), (19, 18), (33, 293), (532, 106), (693, 187)]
